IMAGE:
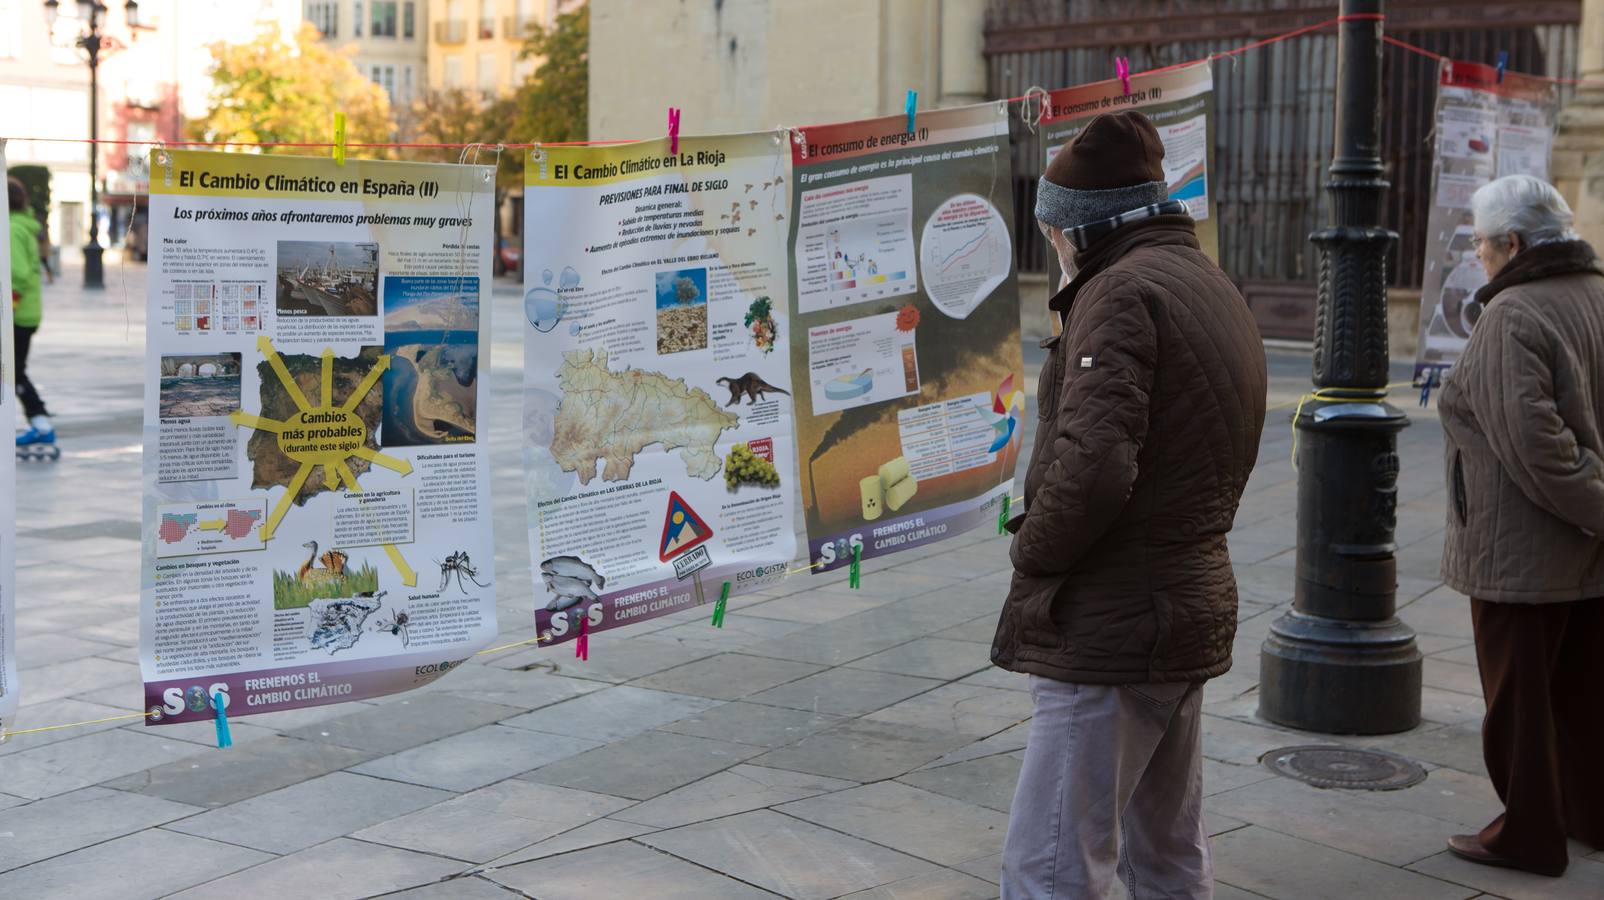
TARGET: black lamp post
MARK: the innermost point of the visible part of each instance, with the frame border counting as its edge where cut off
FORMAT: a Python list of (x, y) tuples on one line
[(91, 15), (1341, 662)]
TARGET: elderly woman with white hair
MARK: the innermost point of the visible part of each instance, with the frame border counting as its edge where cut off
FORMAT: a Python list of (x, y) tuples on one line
[(1523, 413)]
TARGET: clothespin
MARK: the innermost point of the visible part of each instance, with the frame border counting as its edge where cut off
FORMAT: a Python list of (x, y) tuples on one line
[(1427, 385), (855, 573), (1503, 63), (911, 107), (582, 646), (538, 154), (718, 608), (1122, 71), (224, 739), (673, 130), (1002, 515), (162, 158), (339, 138)]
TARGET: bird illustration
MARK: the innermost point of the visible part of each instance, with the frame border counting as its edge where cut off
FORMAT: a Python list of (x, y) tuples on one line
[(312, 577)]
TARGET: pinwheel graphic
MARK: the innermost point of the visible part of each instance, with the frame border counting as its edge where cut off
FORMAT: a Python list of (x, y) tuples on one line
[(1003, 412)]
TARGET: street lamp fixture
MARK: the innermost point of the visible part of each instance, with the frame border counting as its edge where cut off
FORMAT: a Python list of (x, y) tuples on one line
[(91, 16)]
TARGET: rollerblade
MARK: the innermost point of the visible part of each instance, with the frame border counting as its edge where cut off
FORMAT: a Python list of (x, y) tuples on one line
[(34, 445)]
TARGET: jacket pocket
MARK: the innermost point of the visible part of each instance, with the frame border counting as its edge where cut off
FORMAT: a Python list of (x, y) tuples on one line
[(1457, 489)]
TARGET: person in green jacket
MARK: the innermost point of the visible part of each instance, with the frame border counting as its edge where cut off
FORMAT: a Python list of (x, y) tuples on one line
[(27, 308)]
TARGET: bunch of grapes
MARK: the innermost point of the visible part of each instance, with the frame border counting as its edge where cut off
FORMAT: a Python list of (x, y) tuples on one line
[(760, 319), (743, 466), (763, 334)]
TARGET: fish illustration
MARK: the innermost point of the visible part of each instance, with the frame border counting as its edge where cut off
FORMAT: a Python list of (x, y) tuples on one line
[(573, 567)]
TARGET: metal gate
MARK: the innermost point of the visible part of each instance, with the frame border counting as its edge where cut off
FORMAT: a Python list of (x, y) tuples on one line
[(1273, 135)]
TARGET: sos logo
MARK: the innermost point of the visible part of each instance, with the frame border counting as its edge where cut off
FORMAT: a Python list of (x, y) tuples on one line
[(195, 699), (562, 621), (841, 548)]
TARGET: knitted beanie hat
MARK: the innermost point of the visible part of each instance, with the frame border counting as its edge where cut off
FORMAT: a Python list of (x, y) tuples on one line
[(1113, 166)]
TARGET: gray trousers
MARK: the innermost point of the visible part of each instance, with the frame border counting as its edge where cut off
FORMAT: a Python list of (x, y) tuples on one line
[(1112, 781)]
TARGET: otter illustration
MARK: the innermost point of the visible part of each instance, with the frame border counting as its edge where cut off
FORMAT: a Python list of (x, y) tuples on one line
[(750, 385)]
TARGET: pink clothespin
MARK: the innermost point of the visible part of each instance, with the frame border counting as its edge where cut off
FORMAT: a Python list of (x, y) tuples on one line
[(673, 129), (1122, 71), (582, 645)]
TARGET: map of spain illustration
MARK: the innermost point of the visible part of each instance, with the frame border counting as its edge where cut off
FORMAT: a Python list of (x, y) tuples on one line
[(307, 447), (237, 524)]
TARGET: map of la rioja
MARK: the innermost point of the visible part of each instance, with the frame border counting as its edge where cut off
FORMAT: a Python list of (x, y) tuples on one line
[(612, 416)]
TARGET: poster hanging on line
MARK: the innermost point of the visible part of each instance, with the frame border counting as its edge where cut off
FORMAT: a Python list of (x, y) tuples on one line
[(657, 410), (1485, 130), (905, 353), (314, 431), (1180, 103), (8, 481)]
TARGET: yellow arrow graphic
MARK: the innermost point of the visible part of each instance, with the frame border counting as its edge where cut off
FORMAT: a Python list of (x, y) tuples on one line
[(328, 377), (347, 476), (403, 466), (284, 502), (367, 382), (266, 347), (212, 524), (408, 577), (241, 417)]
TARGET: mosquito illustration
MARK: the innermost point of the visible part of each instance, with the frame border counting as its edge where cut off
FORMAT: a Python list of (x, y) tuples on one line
[(397, 625), (458, 564)]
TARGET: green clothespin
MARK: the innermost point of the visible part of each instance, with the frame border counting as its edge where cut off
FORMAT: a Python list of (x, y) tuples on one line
[(855, 574), (1002, 515), (339, 138), (718, 608)]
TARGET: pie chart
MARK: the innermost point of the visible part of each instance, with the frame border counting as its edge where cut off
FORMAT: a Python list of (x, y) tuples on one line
[(849, 387)]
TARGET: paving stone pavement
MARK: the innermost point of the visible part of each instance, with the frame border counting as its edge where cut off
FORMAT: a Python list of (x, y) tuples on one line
[(825, 743)]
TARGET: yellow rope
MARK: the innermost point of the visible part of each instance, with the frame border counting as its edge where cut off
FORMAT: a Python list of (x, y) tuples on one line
[(138, 715), (1334, 395), (534, 640)]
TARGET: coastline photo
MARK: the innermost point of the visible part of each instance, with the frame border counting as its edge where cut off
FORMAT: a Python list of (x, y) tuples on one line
[(327, 278), (431, 333)]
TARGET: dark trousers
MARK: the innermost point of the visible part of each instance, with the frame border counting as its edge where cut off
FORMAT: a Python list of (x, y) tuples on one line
[(21, 337), (1542, 670)]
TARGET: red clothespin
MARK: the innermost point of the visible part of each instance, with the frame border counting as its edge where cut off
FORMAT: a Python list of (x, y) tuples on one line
[(673, 129), (1122, 71), (582, 646)]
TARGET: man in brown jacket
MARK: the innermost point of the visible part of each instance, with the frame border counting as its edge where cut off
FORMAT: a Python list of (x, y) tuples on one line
[(1523, 411), (1123, 600)]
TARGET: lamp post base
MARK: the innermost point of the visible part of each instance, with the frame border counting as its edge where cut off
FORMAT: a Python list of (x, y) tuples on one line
[(94, 268), (1340, 677)]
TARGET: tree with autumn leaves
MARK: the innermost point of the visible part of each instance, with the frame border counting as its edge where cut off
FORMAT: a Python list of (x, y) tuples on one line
[(272, 90), (269, 90)]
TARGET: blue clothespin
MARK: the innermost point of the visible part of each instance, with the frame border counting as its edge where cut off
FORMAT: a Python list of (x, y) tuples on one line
[(1503, 63), (1427, 385), (224, 739), (911, 108)]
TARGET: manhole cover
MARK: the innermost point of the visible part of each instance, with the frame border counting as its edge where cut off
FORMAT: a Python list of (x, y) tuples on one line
[(1326, 766)]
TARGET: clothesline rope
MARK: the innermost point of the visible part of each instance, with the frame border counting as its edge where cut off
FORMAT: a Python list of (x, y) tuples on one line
[(415, 145)]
